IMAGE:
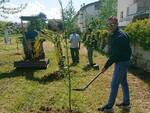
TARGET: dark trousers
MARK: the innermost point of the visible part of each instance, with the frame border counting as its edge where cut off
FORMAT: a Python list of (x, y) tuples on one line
[(90, 55), (74, 55)]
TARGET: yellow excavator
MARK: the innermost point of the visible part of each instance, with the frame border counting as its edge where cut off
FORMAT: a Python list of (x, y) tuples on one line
[(34, 56)]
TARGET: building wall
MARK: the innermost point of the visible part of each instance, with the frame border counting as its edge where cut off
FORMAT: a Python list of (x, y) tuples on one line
[(143, 5), (86, 13), (141, 57), (125, 8), (128, 9)]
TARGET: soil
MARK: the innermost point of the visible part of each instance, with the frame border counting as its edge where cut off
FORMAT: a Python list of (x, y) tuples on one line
[(44, 109), (57, 75)]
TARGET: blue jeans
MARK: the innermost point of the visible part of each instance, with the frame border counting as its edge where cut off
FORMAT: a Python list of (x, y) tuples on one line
[(119, 77)]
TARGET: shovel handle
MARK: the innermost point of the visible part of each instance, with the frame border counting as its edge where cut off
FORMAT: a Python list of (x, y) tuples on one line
[(93, 80)]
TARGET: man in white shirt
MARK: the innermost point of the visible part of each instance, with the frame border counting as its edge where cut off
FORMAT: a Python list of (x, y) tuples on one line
[(74, 47)]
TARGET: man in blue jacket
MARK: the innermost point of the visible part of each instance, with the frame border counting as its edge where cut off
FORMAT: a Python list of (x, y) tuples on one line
[(120, 53)]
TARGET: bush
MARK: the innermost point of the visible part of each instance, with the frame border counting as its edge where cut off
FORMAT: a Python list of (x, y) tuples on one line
[(139, 32), (102, 37)]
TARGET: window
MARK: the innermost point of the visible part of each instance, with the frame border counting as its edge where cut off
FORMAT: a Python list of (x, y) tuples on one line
[(127, 11), (121, 14)]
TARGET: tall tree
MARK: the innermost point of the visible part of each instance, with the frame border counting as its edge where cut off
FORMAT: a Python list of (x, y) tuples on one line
[(38, 23), (69, 13), (55, 25), (2, 27), (7, 10), (108, 8), (68, 16)]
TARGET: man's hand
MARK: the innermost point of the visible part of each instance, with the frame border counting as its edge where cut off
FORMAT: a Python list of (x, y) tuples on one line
[(103, 70)]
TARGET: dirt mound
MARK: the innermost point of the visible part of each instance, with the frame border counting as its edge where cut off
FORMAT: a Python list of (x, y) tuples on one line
[(17, 54), (44, 109)]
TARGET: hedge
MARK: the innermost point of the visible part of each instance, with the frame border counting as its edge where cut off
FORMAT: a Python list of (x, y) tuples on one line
[(139, 32), (102, 39)]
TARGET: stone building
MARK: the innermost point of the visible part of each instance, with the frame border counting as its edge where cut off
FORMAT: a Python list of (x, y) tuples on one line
[(86, 14), (129, 10)]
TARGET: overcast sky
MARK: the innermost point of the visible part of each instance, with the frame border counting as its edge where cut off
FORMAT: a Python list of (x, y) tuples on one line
[(50, 7)]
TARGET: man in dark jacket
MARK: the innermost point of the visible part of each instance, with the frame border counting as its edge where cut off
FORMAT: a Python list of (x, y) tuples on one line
[(120, 53), (90, 43)]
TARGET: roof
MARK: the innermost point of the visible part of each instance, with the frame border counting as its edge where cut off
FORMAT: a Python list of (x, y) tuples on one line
[(93, 3), (84, 7), (29, 18)]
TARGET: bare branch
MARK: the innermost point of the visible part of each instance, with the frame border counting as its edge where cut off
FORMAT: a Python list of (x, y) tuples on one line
[(5, 10)]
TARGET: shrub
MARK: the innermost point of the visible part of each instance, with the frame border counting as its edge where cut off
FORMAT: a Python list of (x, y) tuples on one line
[(139, 32), (102, 37)]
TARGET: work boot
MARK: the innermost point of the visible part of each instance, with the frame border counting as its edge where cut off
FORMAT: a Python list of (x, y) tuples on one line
[(77, 61), (106, 109), (89, 65), (123, 105)]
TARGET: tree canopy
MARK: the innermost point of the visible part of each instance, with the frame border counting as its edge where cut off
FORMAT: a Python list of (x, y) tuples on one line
[(108, 8), (5, 10), (38, 23), (69, 13)]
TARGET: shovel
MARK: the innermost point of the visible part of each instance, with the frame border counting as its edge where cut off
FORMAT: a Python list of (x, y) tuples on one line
[(84, 88)]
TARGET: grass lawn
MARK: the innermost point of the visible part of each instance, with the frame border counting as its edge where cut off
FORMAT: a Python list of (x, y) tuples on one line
[(22, 91)]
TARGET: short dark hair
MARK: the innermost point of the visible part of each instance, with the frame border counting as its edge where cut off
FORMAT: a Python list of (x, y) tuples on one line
[(114, 19)]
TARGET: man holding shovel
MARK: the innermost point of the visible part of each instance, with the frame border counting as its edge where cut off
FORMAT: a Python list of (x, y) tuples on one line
[(120, 53)]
